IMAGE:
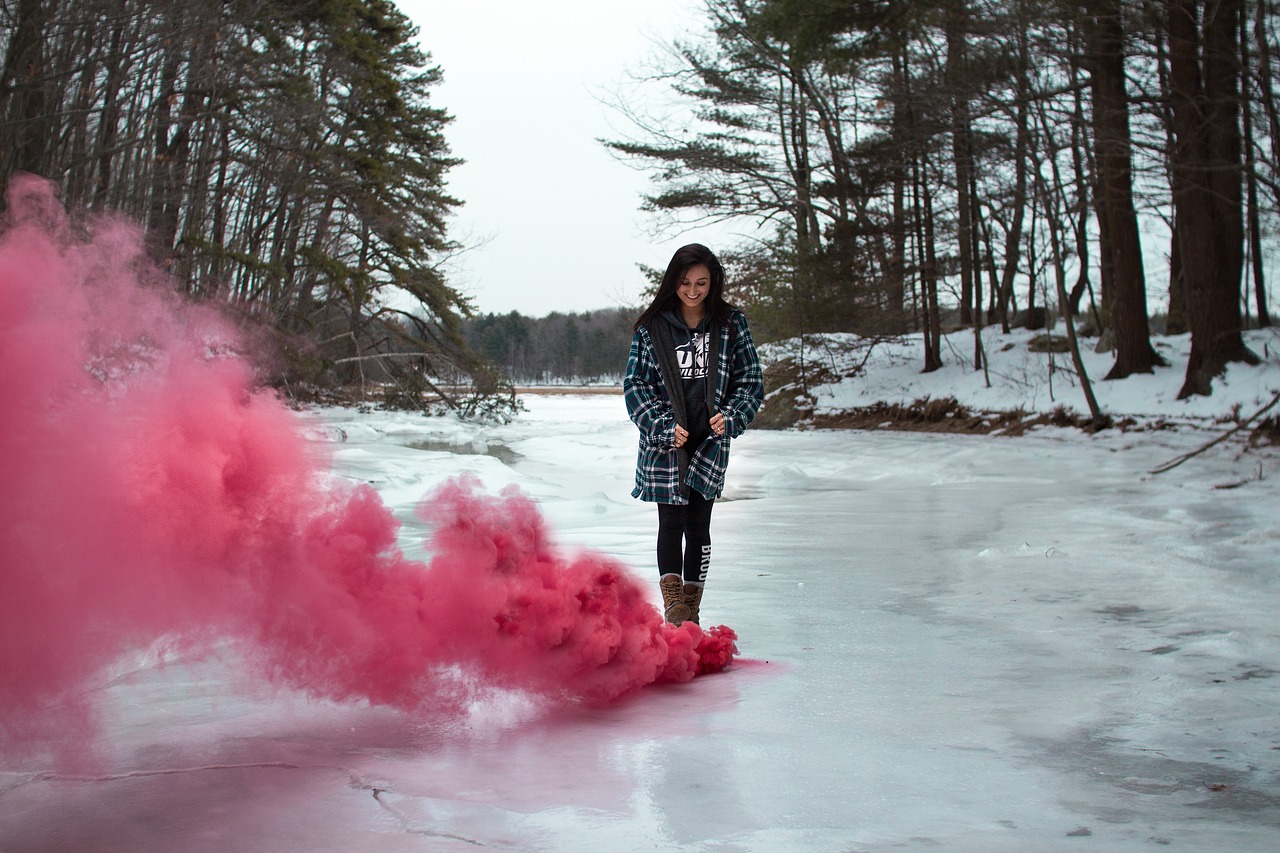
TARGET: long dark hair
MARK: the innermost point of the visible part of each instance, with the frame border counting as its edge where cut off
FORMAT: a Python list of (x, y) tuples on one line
[(685, 258)]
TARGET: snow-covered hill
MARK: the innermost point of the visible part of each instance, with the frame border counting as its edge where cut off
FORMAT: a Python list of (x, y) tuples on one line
[(837, 379)]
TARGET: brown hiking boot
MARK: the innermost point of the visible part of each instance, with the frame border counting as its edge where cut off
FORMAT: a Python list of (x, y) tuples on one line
[(674, 608), (693, 600)]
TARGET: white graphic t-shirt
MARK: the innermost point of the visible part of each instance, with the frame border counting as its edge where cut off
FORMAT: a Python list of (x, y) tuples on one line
[(692, 357)]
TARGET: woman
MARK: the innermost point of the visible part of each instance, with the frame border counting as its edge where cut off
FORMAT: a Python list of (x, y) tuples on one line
[(693, 383)]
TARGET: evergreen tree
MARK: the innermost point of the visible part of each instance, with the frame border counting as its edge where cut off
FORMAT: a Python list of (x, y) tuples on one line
[(284, 156)]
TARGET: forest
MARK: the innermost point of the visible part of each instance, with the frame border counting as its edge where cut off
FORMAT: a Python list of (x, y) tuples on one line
[(923, 166), (284, 158), (990, 157), (589, 347)]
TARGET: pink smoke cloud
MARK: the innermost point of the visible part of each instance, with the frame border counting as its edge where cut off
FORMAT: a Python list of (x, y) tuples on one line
[(152, 494)]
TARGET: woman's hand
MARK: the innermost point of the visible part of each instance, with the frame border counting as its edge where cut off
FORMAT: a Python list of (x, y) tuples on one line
[(682, 435), (717, 423)]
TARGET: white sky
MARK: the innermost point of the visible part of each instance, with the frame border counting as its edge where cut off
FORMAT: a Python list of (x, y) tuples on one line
[(554, 216)]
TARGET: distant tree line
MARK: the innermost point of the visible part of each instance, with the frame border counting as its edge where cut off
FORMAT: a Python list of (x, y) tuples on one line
[(590, 347), (992, 156), (283, 156)]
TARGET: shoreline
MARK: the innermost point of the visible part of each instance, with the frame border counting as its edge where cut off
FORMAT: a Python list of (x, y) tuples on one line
[(539, 390)]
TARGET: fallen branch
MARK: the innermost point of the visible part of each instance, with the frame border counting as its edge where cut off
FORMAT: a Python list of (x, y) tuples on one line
[(1238, 483), (1175, 462)]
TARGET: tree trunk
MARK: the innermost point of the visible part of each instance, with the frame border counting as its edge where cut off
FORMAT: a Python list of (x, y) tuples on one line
[(896, 272), (1177, 322), (1021, 141), (108, 125), (1268, 95), (1251, 182), (24, 104), (979, 356), (1050, 196), (1176, 316), (1081, 155), (1205, 166), (1121, 242), (928, 268), (962, 150)]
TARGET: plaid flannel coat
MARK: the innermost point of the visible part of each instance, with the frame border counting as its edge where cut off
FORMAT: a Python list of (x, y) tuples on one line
[(655, 401)]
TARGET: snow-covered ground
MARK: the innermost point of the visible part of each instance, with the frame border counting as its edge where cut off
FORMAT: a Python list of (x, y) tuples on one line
[(966, 643), (1018, 378)]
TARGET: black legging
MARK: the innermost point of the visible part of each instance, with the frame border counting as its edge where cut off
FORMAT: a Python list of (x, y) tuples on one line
[(684, 538)]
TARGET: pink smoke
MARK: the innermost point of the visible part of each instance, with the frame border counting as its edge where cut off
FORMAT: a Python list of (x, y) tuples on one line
[(150, 493)]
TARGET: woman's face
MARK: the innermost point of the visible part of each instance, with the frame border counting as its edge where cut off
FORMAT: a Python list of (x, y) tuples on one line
[(693, 288)]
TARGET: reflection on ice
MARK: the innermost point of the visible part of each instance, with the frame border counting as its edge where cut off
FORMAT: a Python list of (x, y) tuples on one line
[(501, 452)]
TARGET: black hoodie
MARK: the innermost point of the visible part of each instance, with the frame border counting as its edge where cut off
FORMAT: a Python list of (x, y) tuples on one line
[(691, 356)]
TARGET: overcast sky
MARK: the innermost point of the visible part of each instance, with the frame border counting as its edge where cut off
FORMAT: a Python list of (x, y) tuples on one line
[(554, 215)]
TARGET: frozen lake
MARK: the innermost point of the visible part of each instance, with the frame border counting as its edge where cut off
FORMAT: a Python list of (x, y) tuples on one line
[(947, 642)]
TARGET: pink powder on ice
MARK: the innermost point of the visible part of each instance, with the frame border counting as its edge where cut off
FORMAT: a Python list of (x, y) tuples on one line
[(150, 493)]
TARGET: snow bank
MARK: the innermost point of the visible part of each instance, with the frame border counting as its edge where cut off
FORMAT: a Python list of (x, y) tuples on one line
[(846, 372)]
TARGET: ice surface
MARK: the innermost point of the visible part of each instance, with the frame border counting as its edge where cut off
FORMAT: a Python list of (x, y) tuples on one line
[(949, 642)]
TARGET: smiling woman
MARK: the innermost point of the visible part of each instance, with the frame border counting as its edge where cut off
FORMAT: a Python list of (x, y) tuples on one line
[(693, 383), (692, 290)]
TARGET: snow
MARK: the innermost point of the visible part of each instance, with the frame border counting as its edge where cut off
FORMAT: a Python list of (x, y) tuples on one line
[(1020, 379), (967, 643)]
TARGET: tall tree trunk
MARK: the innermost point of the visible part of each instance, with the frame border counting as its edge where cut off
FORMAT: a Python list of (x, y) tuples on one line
[(975, 252), (1121, 241), (1176, 322), (108, 124), (1054, 201), (994, 312), (794, 129), (1251, 180), (1080, 153), (1206, 164), (76, 186), (928, 263), (162, 162), (895, 274), (24, 84), (1022, 136), (1268, 95), (957, 15), (1032, 270)]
